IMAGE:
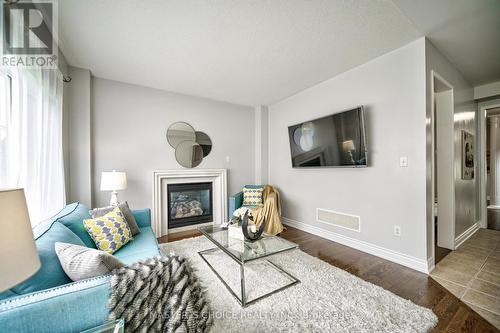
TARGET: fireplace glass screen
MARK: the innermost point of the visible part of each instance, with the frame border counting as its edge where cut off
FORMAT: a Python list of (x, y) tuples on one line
[(189, 203)]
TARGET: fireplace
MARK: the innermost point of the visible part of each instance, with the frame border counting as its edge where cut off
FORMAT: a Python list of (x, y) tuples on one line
[(189, 204), (164, 179)]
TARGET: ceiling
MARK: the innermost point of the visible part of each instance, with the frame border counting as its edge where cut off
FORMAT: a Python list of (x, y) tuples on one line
[(467, 32), (245, 52), (259, 52)]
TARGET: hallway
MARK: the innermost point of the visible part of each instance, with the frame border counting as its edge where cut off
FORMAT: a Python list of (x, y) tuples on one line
[(472, 273)]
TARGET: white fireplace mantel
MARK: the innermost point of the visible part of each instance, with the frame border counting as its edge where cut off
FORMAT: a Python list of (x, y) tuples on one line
[(161, 179)]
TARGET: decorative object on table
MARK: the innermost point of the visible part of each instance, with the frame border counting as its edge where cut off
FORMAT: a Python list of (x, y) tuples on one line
[(182, 307), (234, 227), (190, 146), (18, 254), (80, 262), (127, 213), (109, 232), (235, 231), (113, 181), (250, 231), (238, 214), (467, 155)]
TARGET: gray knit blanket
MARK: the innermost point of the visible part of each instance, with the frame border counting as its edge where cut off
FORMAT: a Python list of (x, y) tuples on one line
[(161, 294)]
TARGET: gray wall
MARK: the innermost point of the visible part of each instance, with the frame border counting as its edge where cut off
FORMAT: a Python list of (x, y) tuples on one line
[(465, 119), (129, 126), (392, 88)]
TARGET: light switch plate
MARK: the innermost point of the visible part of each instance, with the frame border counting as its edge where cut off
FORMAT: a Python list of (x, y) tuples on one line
[(403, 161)]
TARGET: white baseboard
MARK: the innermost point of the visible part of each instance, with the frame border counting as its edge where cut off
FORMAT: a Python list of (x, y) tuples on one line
[(417, 264), (430, 264), (466, 234)]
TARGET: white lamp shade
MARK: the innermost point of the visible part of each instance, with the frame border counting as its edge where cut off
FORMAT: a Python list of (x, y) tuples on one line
[(348, 145), (113, 181), (18, 255)]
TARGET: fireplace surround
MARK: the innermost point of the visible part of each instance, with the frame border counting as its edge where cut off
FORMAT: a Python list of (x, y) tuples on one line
[(162, 220)]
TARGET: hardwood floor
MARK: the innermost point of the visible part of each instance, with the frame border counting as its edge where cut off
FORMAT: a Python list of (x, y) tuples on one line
[(440, 253), (453, 314)]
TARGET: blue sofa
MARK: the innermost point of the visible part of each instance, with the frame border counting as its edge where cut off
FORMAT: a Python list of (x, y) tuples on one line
[(49, 301)]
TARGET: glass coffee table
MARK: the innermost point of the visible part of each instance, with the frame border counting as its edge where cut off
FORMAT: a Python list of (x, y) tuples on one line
[(256, 277)]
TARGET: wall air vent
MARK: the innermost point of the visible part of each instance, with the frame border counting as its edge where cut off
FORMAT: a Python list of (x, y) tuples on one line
[(342, 220)]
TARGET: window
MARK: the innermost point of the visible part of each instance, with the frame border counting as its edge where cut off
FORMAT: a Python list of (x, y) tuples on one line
[(31, 139), (5, 114)]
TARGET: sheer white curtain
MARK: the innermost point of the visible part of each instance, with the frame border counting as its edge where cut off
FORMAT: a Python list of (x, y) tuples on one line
[(32, 148)]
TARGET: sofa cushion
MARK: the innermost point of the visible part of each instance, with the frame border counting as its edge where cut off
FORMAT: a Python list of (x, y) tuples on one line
[(127, 213), (74, 221), (51, 273), (253, 195), (142, 217), (143, 246), (80, 262), (109, 232)]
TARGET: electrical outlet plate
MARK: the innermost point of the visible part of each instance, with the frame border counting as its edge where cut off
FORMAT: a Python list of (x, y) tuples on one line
[(397, 230)]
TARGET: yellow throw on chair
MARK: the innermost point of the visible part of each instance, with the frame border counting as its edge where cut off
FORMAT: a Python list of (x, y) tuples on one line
[(271, 211)]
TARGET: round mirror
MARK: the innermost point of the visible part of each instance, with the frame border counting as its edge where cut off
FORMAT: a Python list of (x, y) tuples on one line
[(204, 141), (179, 132), (189, 154), (297, 134)]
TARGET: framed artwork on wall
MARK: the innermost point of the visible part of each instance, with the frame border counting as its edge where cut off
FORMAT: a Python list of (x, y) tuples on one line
[(467, 155)]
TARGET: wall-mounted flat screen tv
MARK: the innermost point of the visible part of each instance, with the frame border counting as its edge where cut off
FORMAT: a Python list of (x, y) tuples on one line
[(338, 140)]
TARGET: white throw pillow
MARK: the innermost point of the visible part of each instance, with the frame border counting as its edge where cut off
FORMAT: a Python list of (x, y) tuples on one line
[(80, 262)]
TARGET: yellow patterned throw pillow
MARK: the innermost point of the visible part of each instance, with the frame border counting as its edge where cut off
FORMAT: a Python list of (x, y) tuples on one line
[(252, 196), (110, 231)]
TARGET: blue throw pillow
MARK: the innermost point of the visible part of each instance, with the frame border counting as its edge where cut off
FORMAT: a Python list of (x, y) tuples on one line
[(51, 273), (74, 221)]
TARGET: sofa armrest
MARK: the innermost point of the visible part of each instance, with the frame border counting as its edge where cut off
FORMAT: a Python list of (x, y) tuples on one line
[(235, 202), (73, 307), (142, 217)]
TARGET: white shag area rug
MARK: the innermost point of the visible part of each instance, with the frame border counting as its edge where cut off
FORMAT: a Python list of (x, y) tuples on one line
[(327, 299)]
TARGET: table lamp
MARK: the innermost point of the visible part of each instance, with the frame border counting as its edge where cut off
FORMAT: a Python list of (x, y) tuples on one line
[(113, 181), (18, 255), (348, 147)]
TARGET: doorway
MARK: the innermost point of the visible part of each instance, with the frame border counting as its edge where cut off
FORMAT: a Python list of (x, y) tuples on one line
[(492, 168), (443, 175)]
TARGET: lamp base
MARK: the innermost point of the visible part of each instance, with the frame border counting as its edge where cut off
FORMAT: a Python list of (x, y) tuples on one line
[(114, 199)]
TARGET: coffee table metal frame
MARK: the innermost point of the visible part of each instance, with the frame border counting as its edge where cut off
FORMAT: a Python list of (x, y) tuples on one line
[(243, 300)]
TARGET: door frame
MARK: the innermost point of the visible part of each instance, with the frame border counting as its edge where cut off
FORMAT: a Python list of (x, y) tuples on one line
[(483, 107), (435, 76)]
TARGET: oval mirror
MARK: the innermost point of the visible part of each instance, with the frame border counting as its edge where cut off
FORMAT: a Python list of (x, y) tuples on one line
[(179, 132), (189, 154), (204, 141)]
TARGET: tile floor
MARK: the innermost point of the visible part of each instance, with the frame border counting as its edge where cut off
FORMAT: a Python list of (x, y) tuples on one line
[(472, 273)]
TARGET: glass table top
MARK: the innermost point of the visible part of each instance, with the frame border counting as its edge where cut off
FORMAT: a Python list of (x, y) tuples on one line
[(243, 250)]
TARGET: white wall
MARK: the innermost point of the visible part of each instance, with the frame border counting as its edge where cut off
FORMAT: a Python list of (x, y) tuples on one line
[(392, 89), (464, 119), (129, 127)]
